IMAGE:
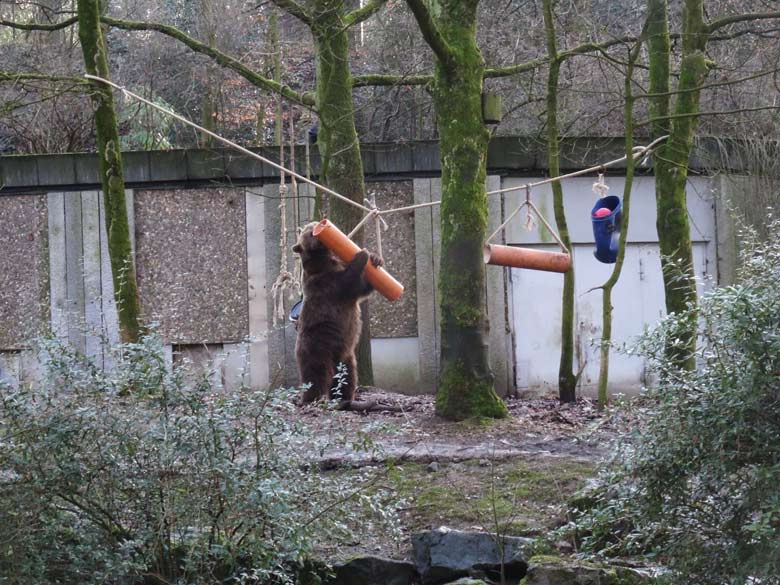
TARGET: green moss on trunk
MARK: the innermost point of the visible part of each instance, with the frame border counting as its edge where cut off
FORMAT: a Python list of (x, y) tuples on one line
[(110, 156), (606, 302), (671, 162), (342, 165), (466, 382), (567, 380)]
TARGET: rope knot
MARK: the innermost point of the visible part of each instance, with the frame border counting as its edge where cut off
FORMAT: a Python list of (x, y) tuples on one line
[(600, 187)]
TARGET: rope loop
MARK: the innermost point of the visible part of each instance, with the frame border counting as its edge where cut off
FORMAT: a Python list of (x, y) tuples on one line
[(600, 187)]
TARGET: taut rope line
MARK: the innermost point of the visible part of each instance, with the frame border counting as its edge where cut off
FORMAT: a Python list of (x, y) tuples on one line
[(238, 147), (375, 212), (639, 151)]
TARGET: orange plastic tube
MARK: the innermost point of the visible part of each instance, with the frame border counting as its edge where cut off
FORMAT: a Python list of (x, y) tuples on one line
[(526, 258), (344, 248)]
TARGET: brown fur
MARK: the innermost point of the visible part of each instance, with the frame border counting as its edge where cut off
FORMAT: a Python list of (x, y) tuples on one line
[(329, 324)]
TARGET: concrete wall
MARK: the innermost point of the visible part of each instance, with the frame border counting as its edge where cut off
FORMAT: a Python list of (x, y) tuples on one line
[(208, 245), (638, 297)]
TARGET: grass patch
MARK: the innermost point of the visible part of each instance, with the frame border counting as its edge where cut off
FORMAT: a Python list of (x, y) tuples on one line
[(522, 497)]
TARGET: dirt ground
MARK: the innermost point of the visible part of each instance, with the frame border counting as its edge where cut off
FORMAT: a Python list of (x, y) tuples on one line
[(512, 475), (535, 427)]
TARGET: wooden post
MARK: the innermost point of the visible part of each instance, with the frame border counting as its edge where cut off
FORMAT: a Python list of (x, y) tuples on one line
[(344, 248)]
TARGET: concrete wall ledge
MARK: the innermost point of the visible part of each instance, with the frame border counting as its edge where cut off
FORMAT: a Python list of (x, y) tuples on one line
[(198, 167)]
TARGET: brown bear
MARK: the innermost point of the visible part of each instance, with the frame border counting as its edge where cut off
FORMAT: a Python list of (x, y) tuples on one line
[(329, 323)]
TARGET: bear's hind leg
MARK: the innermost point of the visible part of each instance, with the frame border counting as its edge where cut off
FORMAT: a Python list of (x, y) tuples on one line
[(320, 375), (346, 390)]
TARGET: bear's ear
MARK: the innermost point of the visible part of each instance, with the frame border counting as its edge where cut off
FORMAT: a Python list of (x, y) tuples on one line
[(297, 248)]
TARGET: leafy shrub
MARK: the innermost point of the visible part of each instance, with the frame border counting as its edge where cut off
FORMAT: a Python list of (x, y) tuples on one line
[(129, 476), (144, 128), (697, 481)]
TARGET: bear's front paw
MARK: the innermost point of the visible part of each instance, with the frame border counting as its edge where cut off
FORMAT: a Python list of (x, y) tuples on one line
[(361, 258), (377, 260)]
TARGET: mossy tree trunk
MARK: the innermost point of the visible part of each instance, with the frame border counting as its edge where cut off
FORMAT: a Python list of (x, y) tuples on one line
[(466, 382), (567, 379), (342, 169), (117, 226), (337, 139), (671, 160), (609, 285)]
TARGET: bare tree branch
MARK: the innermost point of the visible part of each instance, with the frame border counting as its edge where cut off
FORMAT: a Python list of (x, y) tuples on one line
[(298, 11), (39, 26), (736, 18), (357, 16), (21, 77), (759, 32), (304, 99), (493, 72), (510, 70), (709, 113), (710, 85), (388, 80), (595, 47), (431, 33)]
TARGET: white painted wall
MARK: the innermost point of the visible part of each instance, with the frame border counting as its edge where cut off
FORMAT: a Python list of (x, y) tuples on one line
[(396, 364), (638, 297), (409, 364)]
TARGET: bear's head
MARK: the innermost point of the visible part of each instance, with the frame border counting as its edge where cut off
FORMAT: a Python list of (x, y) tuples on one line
[(315, 256)]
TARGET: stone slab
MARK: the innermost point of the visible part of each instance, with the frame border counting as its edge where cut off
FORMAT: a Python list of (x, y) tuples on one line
[(444, 554), (23, 269), (19, 171), (205, 164), (371, 570), (56, 170), (87, 169), (398, 318), (191, 263)]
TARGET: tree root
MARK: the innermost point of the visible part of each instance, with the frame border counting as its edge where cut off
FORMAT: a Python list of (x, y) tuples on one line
[(366, 406)]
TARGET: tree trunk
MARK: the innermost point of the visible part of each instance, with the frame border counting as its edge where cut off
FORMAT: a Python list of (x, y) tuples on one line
[(110, 156), (567, 379), (466, 382), (606, 301), (671, 162), (337, 139)]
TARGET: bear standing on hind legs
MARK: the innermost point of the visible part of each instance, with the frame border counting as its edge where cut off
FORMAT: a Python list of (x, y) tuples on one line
[(329, 324)]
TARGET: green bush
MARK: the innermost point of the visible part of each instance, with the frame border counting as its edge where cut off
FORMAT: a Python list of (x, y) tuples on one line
[(128, 476), (697, 481)]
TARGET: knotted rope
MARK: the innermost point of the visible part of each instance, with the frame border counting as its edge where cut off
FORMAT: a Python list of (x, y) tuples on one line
[(286, 281)]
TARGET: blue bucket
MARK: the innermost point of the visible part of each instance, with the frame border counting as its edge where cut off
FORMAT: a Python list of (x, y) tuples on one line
[(606, 229)]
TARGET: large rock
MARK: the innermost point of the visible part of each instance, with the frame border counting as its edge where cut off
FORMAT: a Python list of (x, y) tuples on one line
[(370, 570), (444, 555), (544, 570)]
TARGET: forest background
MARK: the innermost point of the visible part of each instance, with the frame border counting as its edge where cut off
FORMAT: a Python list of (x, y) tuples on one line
[(37, 118)]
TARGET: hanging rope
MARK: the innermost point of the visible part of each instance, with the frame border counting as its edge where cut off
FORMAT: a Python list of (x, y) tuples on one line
[(638, 152), (286, 281), (600, 187), (530, 224), (298, 269), (373, 211)]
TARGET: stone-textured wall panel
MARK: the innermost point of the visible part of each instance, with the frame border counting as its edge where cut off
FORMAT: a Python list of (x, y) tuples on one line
[(399, 318), (191, 259), (23, 269)]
